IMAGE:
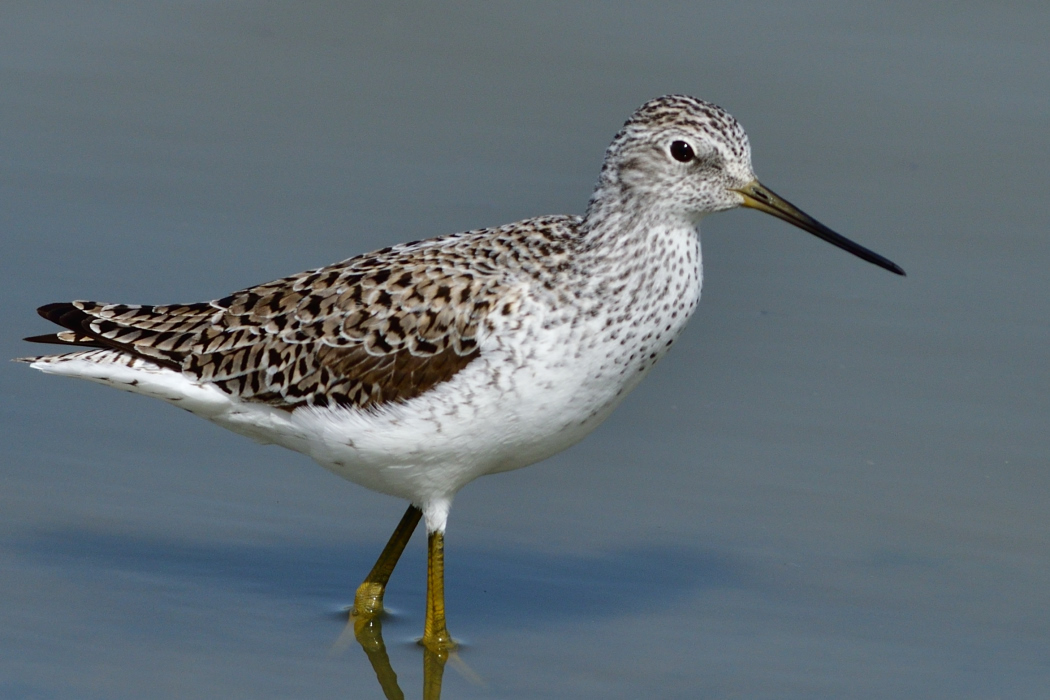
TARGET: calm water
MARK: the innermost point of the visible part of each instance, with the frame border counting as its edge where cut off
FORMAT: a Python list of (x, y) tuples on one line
[(835, 486)]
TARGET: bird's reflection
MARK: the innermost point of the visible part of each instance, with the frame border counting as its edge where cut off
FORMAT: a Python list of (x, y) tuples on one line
[(369, 634)]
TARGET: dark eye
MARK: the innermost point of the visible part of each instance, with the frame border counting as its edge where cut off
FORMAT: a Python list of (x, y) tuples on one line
[(682, 151)]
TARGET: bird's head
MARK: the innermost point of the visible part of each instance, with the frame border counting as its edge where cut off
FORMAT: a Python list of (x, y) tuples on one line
[(678, 157)]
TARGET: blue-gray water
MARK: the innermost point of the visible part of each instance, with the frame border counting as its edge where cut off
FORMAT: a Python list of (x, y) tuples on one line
[(835, 486)]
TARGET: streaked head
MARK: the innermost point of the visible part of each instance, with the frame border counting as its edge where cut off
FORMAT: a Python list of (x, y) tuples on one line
[(681, 157)]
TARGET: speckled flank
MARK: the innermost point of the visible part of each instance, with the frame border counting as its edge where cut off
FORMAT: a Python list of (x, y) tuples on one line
[(414, 369)]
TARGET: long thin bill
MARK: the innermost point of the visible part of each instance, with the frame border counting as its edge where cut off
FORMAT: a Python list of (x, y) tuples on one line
[(758, 196)]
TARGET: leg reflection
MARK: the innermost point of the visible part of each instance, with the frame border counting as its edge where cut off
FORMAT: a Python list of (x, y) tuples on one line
[(433, 671), (369, 634)]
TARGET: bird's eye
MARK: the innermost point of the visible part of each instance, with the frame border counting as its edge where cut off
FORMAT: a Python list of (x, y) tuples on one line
[(682, 151)]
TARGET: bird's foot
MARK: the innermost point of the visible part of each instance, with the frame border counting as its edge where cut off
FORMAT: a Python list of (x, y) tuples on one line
[(368, 602), (439, 642)]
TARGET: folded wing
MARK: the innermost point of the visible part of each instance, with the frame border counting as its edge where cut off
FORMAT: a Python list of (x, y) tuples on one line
[(384, 327)]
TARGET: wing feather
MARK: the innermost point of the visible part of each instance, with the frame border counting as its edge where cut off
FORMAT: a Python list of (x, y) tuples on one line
[(383, 327)]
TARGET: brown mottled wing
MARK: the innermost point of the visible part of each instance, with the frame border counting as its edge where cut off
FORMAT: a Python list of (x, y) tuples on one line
[(379, 328)]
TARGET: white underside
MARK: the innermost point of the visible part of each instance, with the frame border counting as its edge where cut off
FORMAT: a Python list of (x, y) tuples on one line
[(423, 450), (535, 390)]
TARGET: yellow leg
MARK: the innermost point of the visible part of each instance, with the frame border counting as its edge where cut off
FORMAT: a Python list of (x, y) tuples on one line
[(435, 635), (369, 599)]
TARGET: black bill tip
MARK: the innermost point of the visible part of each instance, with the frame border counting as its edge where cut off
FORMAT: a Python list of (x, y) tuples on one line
[(758, 196)]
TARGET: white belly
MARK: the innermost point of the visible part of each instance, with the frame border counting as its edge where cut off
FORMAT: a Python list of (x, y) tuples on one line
[(505, 410)]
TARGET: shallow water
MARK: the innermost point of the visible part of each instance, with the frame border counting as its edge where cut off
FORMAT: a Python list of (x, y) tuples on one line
[(835, 486)]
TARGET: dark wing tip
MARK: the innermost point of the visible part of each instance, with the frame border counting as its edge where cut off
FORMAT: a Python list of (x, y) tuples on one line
[(67, 315), (55, 312), (71, 338), (49, 338)]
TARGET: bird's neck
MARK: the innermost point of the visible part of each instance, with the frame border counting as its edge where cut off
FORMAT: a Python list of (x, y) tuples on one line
[(631, 252), (623, 228)]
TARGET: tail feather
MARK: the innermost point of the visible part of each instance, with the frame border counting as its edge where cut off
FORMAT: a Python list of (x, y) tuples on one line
[(87, 330)]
